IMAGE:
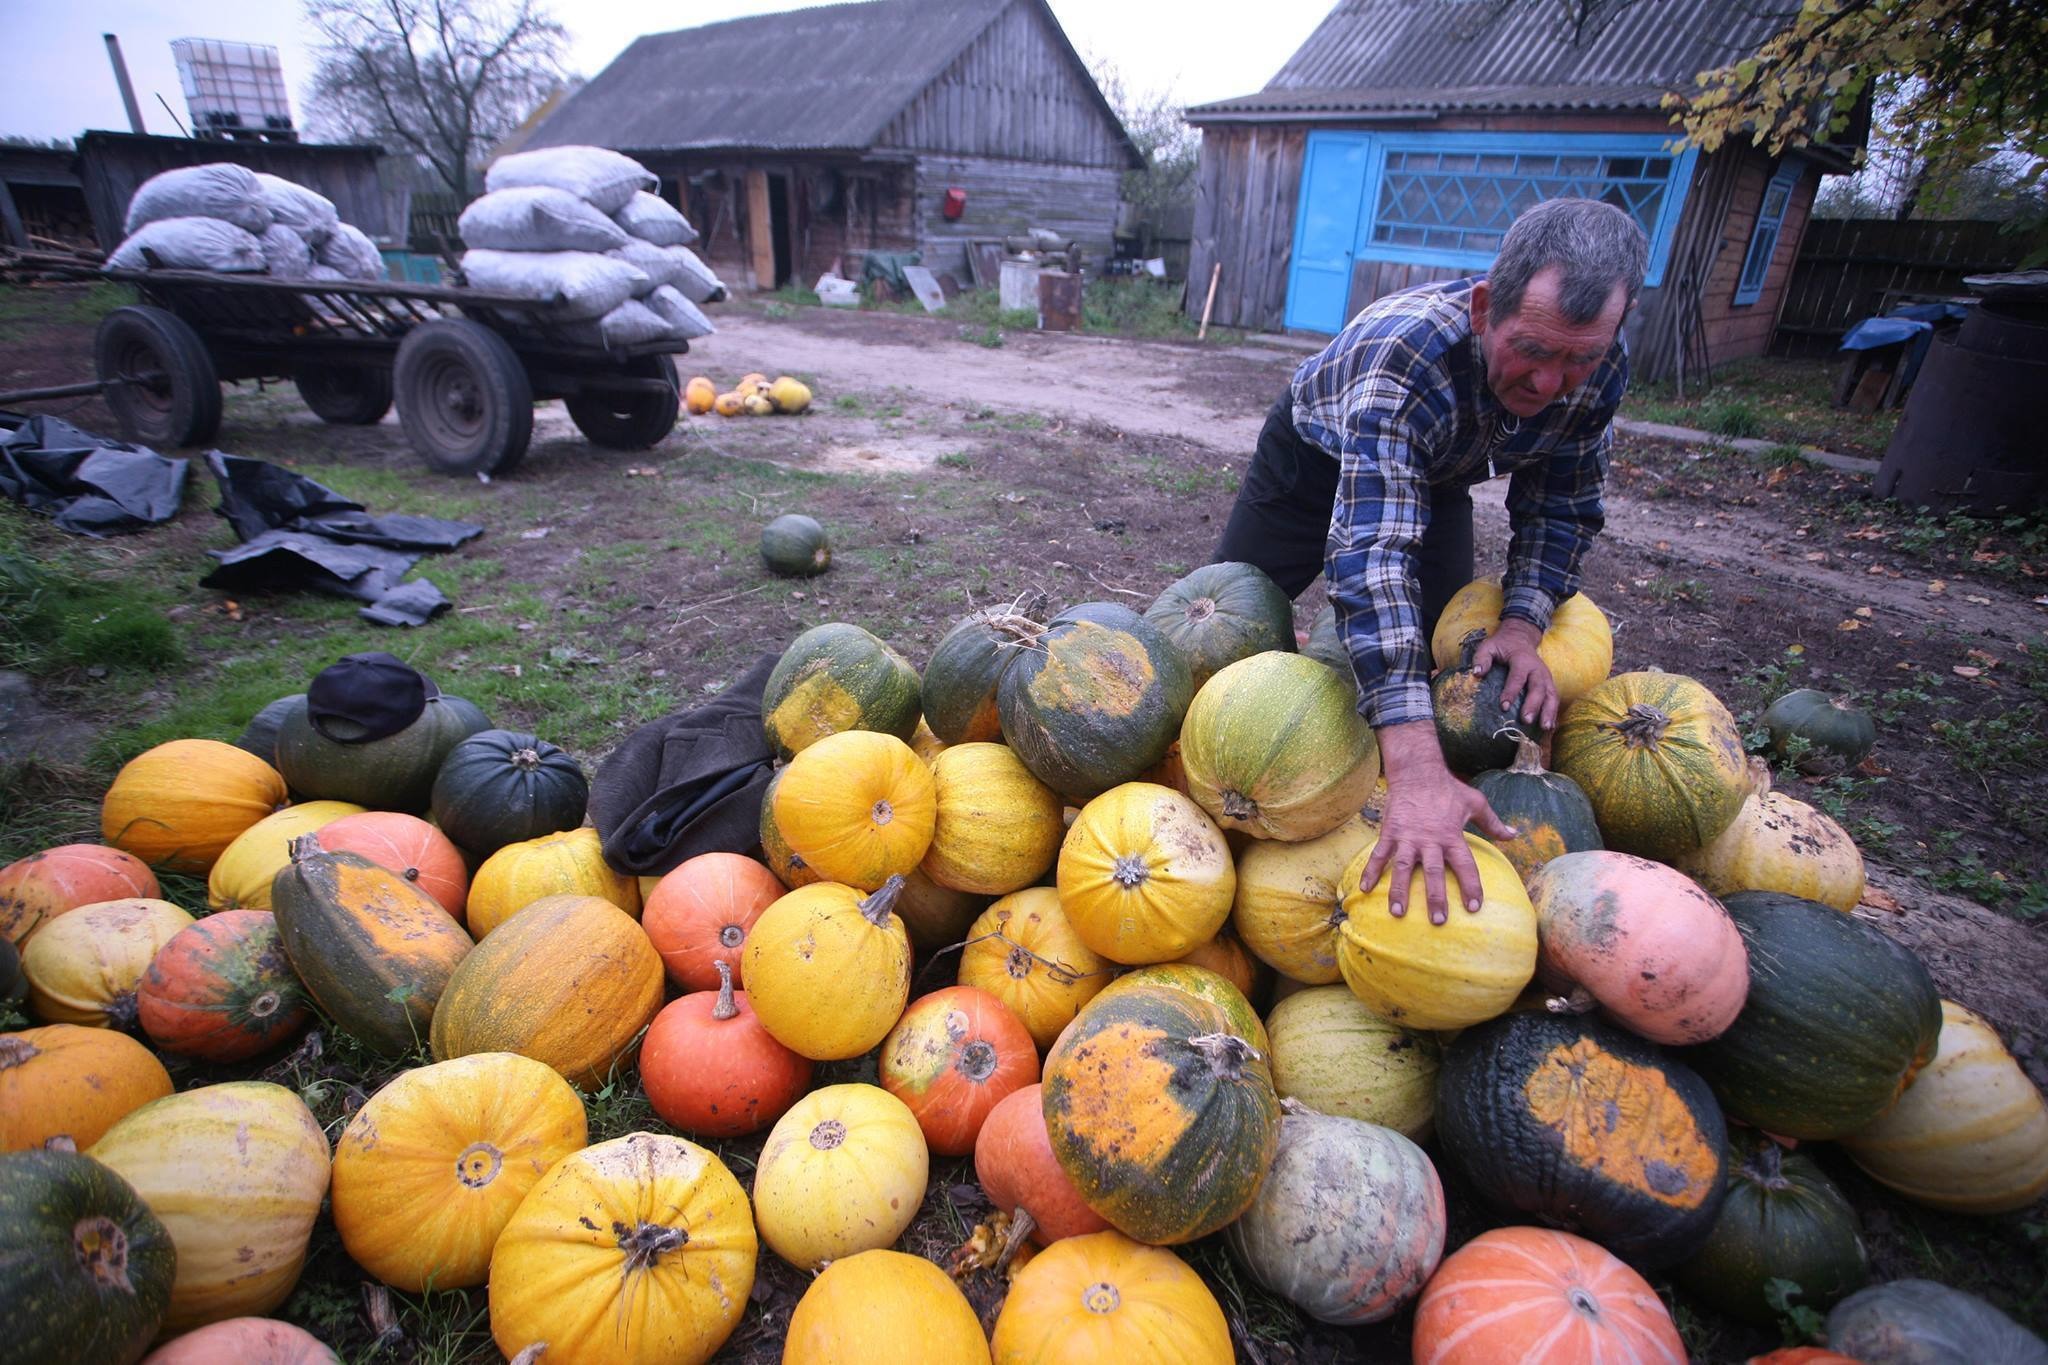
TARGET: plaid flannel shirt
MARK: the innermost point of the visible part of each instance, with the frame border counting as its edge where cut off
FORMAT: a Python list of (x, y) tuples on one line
[(1400, 399)]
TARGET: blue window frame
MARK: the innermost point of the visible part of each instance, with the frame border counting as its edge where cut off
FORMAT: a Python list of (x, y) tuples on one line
[(1763, 242)]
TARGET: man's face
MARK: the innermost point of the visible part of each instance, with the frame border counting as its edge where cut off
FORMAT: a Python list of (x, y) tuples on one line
[(1535, 356)]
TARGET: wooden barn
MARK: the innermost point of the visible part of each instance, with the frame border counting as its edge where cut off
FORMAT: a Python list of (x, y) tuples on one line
[(1399, 142), (799, 141)]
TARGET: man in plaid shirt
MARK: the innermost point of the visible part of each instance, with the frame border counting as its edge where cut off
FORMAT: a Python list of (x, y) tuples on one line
[(1363, 473)]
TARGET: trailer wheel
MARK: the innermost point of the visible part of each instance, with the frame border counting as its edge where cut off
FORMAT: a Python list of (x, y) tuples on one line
[(631, 421), (160, 378), (346, 395), (463, 397)]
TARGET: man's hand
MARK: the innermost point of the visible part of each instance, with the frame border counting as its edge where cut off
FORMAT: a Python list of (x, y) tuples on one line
[(1424, 822), (1514, 643)]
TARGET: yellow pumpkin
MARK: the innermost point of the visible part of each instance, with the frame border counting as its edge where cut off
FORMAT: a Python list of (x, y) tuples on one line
[(927, 745), (1438, 976), (1778, 844), (1225, 955), (1104, 1297), (1145, 875), (179, 805), (67, 1081), (1578, 648), (1337, 1057), (84, 967), (236, 1173), (637, 1251), (843, 1171), (570, 863), (1659, 758), (242, 875), (884, 1305), (1290, 903), (1971, 1132), (858, 807), (828, 970), (998, 828), (569, 980), (1024, 952), (429, 1171)]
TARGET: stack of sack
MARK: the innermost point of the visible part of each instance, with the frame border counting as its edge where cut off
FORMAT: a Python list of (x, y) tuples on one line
[(577, 226), (229, 218)]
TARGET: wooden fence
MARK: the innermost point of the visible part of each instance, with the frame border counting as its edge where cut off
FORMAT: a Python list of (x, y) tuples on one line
[(1853, 268)]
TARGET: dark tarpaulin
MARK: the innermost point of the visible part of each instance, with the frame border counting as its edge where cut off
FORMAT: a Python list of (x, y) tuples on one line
[(87, 484)]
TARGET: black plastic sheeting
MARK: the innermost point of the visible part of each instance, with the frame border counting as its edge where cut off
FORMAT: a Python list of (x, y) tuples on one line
[(299, 534), (89, 485)]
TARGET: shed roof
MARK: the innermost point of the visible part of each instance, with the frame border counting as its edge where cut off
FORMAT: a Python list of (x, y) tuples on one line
[(830, 78), (1418, 58)]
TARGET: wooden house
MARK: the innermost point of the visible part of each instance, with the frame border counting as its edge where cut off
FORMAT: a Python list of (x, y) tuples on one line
[(1399, 142), (802, 140)]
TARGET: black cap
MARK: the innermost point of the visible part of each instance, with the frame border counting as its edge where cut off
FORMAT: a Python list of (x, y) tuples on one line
[(362, 697)]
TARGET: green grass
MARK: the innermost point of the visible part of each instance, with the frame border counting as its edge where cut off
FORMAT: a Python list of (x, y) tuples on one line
[(21, 306), (1787, 401), (1109, 307)]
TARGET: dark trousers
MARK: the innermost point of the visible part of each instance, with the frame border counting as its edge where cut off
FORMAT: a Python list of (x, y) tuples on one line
[(1281, 521)]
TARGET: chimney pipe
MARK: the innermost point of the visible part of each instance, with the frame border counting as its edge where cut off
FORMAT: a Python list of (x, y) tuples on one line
[(121, 79)]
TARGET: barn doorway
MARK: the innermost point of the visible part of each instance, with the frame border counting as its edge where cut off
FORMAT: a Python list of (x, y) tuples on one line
[(779, 228)]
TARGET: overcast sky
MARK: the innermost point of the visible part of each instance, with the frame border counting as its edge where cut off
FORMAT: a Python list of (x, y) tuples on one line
[(58, 82)]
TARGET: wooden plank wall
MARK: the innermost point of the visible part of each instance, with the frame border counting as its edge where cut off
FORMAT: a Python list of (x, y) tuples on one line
[(1005, 196), (1246, 189), (1853, 268), (1664, 336), (1733, 331), (1012, 94), (113, 165)]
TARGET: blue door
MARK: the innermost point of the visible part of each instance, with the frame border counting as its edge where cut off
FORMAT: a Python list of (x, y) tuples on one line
[(1325, 230)]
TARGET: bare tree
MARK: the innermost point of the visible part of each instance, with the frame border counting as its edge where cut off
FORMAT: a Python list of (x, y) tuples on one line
[(440, 80), (1165, 185)]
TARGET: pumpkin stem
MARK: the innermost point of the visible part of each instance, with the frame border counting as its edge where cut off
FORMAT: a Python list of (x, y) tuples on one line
[(1238, 806), (63, 1142), (1767, 1164), (526, 760), (1226, 1052), (1469, 646), (16, 1051), (123, 1011), (726, 1007), (1291, 1105), (1642, 728), (1129, 871), (1528, 754), (530, 1354), (1022, 1225), (875, 909), (1578, 1000), (1759, 777), (646, 1243)]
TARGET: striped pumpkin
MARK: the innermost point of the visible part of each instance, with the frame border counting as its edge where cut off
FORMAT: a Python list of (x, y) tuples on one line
[(1660, 759), (1222, 613), (1289, 906), (1144, 875), (1538, 1297), (833, 678), (997, 827)]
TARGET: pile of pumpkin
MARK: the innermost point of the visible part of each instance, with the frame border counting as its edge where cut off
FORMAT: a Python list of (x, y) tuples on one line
[(756, 395), (1129, 827)]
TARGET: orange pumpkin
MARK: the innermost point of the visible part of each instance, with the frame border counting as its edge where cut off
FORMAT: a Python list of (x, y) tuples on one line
[(1024, 952), (700, 913), (858, 806), (1539, 1297), (1145, 875), (68, 1081), (222, 989), (45, 885), (884, 1305), (709, 1067), (178, 806), (1014, 1162), (1644, 941), (409, 846), (1225, 955), (1104, 1297), (85, 967), (245, 1341), (952, 1057)]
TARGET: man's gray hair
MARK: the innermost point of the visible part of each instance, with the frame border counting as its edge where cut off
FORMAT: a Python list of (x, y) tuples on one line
[(1595, 244)]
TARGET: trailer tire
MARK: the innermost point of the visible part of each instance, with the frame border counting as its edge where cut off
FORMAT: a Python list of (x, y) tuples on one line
[(634, 421), (161, 381), (345, 395), (463, 397)]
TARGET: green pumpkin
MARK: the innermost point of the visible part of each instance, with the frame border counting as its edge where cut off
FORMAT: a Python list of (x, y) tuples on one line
[(1472, 729), (1272, 745), (393, 773), (499, 787), (1838, 1019), (1783, 1219), (837, 677), (1661, 760), (960, 682), (85, 1267), (1550, 815), (785, 862), (1587, 1128), (1323, 645), (1221, 613), (1094, 701), (259, 737), (1836, 736), (795, 546)]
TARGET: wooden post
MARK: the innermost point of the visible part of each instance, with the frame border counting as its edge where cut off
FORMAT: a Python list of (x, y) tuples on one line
[(760, 235), (1215, 274)]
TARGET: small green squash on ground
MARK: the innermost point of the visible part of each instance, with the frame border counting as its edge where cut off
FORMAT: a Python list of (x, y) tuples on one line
[(837, 677), (1550, 814), (795, 546), (1095, 700), (1916, 1321), (1587, 1127), (1221, 613), (499, 787), (85, 1267), (1349, 1222), (1659, 757), (1783, 1219), (1337, 1057), (1829, 734), (1473, 728), (1838, 1020), (1273, 745), (960, 682), (392, 773)]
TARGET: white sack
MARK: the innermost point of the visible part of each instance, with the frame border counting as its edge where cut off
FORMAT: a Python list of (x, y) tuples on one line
[(659, 267), (351, 252), (632, 323), (190, 244), (537, 218), (694, 278), (601, 176), (311, 214), (589, 285), (684, 319), (285, 253), (653, 219), (220, 190)]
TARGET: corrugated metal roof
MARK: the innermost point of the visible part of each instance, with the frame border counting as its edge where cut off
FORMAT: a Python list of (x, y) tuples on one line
[(1437, 56), (825, 79)]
